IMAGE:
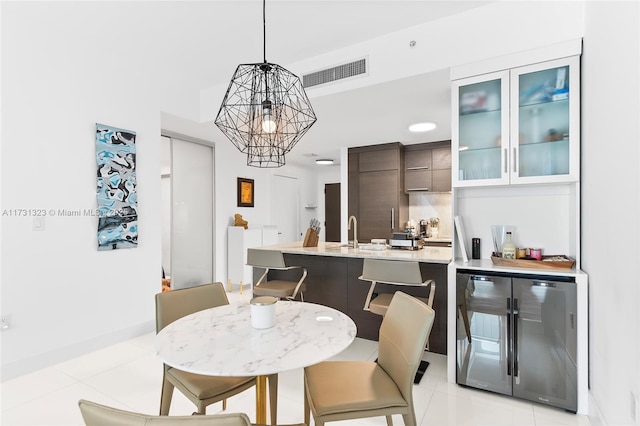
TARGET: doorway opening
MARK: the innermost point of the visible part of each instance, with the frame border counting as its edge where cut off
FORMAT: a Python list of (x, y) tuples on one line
[(332, 212), (187, 185)]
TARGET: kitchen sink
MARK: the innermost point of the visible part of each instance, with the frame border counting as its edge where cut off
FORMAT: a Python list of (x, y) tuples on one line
[(363, 247), (372, 247)]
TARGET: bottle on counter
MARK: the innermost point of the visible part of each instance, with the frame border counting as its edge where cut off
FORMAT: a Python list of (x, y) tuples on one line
[(508, 248)]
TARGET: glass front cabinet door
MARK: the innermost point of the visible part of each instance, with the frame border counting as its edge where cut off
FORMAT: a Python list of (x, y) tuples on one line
[(518, 126)]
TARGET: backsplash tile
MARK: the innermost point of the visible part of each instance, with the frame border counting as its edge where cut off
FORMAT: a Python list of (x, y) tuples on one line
[(428, 205)]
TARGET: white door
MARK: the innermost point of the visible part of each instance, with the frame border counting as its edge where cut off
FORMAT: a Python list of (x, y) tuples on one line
[(285, 208)]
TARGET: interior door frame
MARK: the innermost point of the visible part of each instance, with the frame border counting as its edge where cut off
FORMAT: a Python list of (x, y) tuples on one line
[(296, 202), (191, 139)]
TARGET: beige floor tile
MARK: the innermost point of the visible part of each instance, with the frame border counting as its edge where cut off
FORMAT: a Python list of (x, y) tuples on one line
[(33, 386), (56, 408), (549, 416), (101, 360), (449, 409)]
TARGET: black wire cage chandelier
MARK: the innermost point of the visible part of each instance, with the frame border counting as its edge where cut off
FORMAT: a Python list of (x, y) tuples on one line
[(265, 111)]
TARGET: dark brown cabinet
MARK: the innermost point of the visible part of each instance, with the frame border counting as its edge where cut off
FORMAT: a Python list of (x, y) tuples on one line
[(427, 167), (376, 190)]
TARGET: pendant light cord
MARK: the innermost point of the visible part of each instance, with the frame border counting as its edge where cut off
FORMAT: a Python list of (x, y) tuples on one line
[(264, 30), (264, 50)]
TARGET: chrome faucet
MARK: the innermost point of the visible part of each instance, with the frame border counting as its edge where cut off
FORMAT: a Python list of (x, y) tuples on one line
[(355, 230)]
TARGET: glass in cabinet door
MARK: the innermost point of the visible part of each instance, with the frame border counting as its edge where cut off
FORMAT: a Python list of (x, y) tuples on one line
[(480, 129), (545, 122)]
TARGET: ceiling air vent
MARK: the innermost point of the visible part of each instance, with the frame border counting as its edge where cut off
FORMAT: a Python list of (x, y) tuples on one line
[(335, 73)]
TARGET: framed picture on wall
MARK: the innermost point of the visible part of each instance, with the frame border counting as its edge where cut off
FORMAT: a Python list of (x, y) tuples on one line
[(245, 192)]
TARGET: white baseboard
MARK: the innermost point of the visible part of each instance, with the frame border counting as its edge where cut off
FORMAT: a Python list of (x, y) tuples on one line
[(31, 364), (595, 415)]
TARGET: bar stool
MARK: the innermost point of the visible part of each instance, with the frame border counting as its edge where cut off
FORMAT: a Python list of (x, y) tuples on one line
[(273, 259), (395, 272)]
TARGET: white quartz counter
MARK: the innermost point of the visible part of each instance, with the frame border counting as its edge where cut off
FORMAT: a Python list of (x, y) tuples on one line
[(487, 266), (425, 254)]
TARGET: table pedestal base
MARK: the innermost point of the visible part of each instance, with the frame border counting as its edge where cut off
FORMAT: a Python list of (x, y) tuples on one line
[(261, 399)]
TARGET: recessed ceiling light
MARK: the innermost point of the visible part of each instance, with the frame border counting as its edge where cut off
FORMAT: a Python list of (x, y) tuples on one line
[(324, 161), (422, 127)]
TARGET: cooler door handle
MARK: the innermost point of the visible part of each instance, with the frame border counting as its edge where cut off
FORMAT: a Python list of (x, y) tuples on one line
[(516, 314), (508, 336)]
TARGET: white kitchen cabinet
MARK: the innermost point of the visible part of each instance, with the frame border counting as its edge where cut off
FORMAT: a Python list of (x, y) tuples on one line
[(517, 126), (238, 241)]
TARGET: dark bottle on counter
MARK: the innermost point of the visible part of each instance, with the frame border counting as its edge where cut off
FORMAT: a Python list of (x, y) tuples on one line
[(475, 248)]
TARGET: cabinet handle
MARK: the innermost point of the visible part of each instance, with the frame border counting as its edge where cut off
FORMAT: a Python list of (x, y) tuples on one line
[(418, 168), (393, 226), (542, 283), (515, 160), (417, 189), (506, 154)]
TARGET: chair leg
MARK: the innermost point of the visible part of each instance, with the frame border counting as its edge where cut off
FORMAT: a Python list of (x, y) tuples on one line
[(224, 404), (307, 409), (165, 396), (273, 398), (409, 419), (202, 408), (240, 287), (389, 421)]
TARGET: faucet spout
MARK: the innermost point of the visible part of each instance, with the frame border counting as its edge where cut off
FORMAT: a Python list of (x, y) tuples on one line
[(355, 230)]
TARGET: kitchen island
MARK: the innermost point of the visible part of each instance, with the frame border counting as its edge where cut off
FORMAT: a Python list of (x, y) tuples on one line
[(332, 280)]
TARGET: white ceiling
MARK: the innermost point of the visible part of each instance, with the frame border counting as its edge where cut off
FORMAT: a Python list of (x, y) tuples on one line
[(301, 29)]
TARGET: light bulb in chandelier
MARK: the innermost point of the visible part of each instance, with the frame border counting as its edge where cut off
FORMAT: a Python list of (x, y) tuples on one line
[(268, 124)]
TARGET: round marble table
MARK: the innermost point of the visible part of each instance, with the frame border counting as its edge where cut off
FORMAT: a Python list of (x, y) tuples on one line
[(221, 342)]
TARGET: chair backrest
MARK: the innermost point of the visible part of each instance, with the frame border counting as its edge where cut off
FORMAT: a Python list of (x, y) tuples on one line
[(403, 335), (391, 271), (265, 258), (101, 415), (175, 304)]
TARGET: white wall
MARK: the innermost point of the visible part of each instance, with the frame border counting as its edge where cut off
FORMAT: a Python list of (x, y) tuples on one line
[(611, 190), (58, 79), (62, 73)]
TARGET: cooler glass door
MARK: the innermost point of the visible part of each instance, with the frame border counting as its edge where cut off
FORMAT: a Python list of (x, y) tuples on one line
[(485, 361), (545, 342)]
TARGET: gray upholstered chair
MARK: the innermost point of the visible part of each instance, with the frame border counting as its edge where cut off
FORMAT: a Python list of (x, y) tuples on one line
[(100, 415), (342, 390), (199, 389), (273, 259)]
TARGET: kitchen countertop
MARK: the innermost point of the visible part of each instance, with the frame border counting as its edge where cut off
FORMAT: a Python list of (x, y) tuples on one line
[(425, 254), (487, 265)]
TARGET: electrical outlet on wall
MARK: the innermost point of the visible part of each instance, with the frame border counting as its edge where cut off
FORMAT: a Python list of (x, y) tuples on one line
[(5, 321)]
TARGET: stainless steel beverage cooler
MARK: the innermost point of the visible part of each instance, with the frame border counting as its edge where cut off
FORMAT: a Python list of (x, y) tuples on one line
[(520, 336)]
